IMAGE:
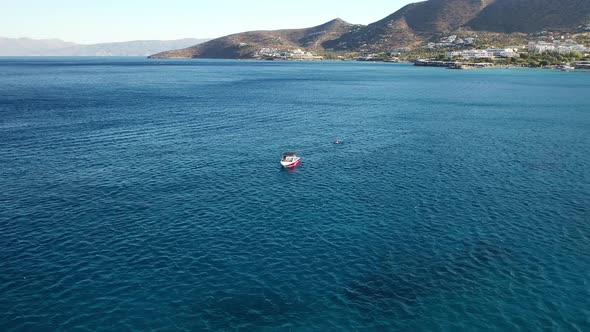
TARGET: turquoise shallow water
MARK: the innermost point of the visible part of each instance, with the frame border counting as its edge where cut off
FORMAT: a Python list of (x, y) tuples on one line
[(147, 195)]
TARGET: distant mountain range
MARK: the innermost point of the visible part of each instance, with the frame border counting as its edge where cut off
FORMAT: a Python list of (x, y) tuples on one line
[(413, 25), (57, 47)]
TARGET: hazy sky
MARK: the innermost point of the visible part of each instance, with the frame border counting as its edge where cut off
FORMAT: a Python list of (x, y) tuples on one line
[(85, 21)]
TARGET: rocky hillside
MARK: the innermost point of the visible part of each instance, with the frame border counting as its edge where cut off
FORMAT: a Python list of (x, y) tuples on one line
[(421, 22), (414, 25), (532, 15), (245, 45)]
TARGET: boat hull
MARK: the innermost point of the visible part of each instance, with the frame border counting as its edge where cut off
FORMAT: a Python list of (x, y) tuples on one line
[(291, 164)]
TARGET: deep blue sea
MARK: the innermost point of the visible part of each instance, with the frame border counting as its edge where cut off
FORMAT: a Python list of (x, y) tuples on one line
[(145, 195)]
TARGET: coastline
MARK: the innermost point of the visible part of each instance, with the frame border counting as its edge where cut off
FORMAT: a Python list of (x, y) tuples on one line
[(451, 64)]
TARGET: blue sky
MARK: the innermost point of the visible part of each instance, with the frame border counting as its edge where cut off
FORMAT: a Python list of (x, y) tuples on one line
[(85, 21)]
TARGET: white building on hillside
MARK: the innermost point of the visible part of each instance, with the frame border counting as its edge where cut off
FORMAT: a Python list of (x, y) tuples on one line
[(570, 47), (298, 54), (541, 47), (557, 46), (470, 54), (503, 52)]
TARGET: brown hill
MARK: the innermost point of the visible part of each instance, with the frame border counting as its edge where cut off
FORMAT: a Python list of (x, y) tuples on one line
[(421, 22), (246, 44), (413, 25), (532, 15)]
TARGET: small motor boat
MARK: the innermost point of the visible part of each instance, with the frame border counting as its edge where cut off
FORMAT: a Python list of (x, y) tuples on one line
[(338, 141), (566, 67), (290, 159)]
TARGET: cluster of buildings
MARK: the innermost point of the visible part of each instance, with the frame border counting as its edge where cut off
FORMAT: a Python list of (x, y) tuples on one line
[(296, 54), (556, 46), (453, 40), (489, 53), (560, 46), (268, 52), (509, 52)]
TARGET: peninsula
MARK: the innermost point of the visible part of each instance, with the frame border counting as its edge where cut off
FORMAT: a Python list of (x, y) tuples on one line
[(429, 29)]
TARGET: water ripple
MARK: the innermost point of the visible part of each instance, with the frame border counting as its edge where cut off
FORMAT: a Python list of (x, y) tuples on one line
[(141, 196)]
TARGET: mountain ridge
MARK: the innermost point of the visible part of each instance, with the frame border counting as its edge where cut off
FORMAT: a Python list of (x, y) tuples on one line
[(245, 44), (57, 47), (413, 25)]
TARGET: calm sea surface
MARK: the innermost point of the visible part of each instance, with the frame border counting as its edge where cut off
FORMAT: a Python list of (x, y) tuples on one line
[(147, 195)]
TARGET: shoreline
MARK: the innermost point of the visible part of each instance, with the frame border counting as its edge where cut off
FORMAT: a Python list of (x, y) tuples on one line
[(458, 65)]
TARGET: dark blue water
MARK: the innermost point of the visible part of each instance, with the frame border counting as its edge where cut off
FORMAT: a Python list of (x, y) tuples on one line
[(147, 195)]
